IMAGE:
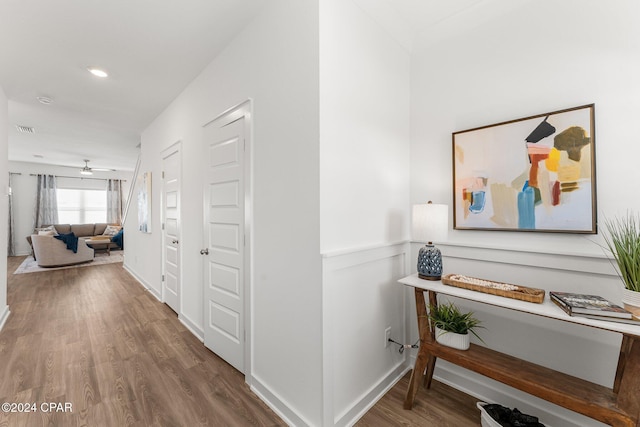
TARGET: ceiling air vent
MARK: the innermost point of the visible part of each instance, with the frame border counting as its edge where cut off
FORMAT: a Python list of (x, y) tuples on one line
[(25, 129)]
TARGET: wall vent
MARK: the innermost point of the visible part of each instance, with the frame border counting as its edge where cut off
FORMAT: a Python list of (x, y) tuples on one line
[(25, 129)]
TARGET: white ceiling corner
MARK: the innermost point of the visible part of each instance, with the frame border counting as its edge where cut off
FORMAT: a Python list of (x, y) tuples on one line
[(387, 16), (408, 20)]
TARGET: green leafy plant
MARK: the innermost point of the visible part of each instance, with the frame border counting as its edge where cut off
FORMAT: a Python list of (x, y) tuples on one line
[(623, 241), (449, 318)]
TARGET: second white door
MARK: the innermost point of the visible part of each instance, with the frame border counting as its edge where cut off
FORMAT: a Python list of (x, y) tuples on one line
[(171, 227), (224, 272)]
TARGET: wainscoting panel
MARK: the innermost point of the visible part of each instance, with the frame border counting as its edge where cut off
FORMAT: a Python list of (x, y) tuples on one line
[(361, 299)]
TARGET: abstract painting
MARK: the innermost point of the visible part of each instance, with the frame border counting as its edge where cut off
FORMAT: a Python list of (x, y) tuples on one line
[(531, 174), (144, 203)]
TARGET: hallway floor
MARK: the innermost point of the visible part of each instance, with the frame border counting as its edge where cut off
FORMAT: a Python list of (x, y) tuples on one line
[(95, 344)]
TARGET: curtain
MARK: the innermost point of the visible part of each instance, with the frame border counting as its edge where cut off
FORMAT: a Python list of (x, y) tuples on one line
[(11, 243), (46, 212), (114, 201)]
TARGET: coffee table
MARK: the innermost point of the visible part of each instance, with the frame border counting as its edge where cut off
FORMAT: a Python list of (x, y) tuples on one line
[(100, 245)]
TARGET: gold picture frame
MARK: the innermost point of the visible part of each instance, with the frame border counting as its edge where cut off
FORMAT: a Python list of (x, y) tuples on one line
[(531, 174)]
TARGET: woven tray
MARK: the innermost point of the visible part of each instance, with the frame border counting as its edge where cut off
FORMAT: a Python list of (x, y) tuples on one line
[(521, 292)]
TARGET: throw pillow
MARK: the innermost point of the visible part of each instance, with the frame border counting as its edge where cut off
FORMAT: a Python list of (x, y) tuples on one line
[(118, 239), (49, 228), (111, 230), (46, 233)]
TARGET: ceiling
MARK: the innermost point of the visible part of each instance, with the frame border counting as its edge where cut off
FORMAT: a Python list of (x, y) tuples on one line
[(151, 49)]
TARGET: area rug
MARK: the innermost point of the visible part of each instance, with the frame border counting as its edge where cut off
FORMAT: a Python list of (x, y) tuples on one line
[(29, 265)]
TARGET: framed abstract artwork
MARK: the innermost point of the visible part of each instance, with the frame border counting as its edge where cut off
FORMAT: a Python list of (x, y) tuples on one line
[(144, 203), (531, 174)]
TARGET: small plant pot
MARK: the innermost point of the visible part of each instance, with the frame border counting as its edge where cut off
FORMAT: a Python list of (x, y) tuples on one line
[(631, 302), (451, 339)]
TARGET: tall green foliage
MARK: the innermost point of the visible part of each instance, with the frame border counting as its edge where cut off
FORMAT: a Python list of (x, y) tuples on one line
[(623, 240), (451, 319)]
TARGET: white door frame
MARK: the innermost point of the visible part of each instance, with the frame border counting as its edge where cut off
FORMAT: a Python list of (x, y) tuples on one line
[(243, 110), (173, 148)]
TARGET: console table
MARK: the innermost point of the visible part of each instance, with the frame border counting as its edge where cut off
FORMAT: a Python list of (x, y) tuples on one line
[(618, 406)]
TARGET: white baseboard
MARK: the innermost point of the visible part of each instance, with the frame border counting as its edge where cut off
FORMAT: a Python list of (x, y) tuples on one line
[(192, 327), (143, 283), (188, 323), (4, 315), (277, 404), (371, 398)]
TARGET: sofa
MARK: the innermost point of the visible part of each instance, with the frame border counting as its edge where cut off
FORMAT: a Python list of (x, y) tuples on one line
[(82, 231), (51, 252)]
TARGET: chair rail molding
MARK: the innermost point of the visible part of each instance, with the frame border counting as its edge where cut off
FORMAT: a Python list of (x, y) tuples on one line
[(585, 262)]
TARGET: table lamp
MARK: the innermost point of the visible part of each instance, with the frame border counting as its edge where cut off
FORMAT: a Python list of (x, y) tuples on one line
[(429, 223)]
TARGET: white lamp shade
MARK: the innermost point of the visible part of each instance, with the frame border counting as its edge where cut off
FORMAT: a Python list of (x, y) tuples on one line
[(430, 222)]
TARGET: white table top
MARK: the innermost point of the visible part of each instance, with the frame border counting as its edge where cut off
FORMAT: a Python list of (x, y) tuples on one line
[(546, 309)]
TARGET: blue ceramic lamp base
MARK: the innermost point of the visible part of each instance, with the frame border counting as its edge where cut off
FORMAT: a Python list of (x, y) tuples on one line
[(430, 263)]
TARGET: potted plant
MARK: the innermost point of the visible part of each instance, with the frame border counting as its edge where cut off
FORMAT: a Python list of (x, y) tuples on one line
[(453, 326), (623, 241)]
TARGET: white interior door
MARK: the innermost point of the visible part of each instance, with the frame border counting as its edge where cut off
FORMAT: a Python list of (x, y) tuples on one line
[(171, 227), (224, 271)]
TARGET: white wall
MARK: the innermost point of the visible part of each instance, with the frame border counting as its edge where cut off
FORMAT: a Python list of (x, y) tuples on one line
[(4, 204), (364, 198), (364, 118), (24, 193), (498, 62), (274, 62)]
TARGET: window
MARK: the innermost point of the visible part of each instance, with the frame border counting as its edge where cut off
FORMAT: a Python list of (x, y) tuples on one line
[(77, 206)]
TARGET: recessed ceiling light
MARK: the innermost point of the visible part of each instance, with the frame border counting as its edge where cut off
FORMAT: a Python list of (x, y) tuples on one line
[(98, 72), (44, 100)]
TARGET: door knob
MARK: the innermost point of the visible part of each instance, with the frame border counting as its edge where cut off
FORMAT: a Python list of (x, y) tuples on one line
[(174, 241), (204, 251)]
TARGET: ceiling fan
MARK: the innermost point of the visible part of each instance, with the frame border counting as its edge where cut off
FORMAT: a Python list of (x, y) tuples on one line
[(86, 170)]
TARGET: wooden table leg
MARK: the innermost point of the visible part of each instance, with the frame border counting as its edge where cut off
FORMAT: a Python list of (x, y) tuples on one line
[(423, 359), (431, 364), (629, 379), (625, 348)]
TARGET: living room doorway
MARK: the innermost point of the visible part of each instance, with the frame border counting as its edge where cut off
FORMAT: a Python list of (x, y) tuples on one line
[(171, 257)]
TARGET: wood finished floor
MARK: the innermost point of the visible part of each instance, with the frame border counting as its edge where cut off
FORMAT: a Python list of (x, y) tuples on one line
[(439, 406), (95, 338)]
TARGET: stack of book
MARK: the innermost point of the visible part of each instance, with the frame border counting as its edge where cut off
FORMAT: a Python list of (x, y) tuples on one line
[(592, 306)]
